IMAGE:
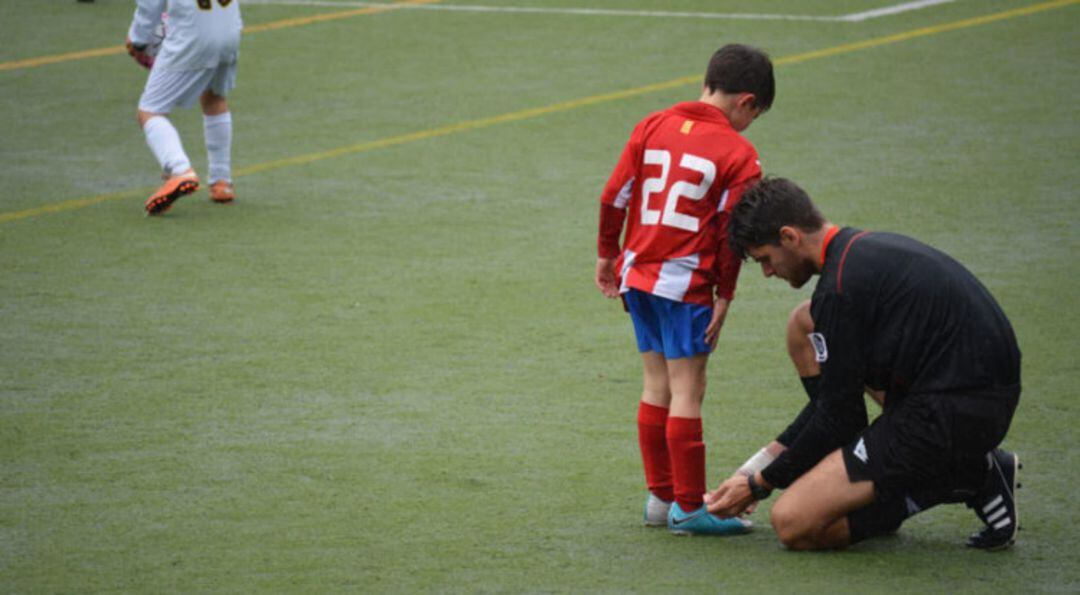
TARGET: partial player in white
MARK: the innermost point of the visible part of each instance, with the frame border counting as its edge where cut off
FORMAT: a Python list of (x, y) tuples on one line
[(196, 60)]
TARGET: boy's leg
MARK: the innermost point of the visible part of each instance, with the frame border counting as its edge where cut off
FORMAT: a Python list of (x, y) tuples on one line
[(678, 331), (656, 390), (217, 129), (652, 408), (686, 376), (652, 423), (164, 142), (180, 178), (813, 513), (164, 91), (684, 434)]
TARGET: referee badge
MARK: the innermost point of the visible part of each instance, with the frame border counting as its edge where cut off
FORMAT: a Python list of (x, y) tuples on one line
[(821, 350)]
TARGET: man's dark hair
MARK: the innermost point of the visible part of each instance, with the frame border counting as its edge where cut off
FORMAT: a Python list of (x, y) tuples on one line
[(737, 68), (770, 204)]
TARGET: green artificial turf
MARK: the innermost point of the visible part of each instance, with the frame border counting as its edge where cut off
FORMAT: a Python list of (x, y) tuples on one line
[(388, 370)]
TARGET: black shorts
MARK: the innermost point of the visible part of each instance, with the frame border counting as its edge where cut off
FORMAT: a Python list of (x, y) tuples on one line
[(933, 444), (925, 450)]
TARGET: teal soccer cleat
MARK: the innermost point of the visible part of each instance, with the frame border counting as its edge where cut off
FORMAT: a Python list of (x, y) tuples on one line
[(701, 522)]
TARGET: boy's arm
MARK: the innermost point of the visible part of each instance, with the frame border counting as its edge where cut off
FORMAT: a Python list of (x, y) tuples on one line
[(606, 281), (146, 19), (719, 314), (727, 264), (613, 203)]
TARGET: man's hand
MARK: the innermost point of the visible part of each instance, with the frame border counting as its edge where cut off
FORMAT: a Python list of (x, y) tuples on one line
[(719, 313), (605, 277), (732, 498), (138, 52)]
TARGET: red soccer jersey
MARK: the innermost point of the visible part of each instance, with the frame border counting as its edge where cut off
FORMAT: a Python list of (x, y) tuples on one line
[(679, 176)]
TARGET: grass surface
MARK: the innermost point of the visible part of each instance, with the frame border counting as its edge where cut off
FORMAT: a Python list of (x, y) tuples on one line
[(388, 370)]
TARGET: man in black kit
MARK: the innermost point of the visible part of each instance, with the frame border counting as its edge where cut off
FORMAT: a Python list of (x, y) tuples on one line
[(909, 324)]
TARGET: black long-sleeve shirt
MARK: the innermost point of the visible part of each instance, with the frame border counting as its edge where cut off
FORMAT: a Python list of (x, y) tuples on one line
[(896, 315)]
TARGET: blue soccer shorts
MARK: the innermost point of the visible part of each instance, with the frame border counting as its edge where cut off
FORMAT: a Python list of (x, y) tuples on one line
[(672, 329)]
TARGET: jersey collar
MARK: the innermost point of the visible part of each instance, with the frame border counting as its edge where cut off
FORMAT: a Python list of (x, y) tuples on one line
[(829, 235), (699, 110)]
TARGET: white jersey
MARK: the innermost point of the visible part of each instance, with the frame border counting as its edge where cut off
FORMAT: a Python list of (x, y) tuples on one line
[(200, 33)]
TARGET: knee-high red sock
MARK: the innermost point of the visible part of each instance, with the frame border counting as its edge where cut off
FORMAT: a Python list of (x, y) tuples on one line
[(652, 424), (687, 461)]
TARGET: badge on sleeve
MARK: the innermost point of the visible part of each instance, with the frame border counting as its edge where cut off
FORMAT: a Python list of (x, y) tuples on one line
[(821, 350)]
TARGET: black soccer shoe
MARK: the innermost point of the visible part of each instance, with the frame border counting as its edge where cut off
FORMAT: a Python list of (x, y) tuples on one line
[(995, 504)]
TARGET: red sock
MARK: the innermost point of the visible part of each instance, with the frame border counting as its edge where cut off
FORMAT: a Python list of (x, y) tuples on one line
[(651, 424), (687, 461)]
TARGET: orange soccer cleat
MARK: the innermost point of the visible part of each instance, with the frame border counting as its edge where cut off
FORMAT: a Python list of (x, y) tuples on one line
[(173, 188), (222, 192)]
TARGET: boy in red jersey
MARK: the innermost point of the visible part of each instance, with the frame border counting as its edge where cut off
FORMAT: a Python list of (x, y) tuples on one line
[(679, 176)]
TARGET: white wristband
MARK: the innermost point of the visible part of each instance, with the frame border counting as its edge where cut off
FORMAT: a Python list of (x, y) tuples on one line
[(759, 461)]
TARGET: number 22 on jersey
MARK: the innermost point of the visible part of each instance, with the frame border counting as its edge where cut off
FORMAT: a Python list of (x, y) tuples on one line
[(670, 216)]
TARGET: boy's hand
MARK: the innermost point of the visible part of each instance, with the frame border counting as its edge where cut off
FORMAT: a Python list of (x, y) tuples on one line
[(138, 52), (605, 277), (719, 313)]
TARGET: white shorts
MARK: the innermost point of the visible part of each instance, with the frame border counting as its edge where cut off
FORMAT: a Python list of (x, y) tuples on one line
[(168, 89)]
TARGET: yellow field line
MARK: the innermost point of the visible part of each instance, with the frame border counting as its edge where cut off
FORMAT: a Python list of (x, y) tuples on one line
[(70, 205), (295, 22), (461, 127), (554, 108), (332, 16), (925, 31), (56, 58)]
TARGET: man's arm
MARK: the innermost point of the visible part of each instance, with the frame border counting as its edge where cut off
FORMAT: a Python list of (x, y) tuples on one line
[(788, 436), (839, 413), (761, 459)]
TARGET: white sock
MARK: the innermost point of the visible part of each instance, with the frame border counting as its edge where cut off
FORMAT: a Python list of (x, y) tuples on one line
[(218, 132), (165, 143)]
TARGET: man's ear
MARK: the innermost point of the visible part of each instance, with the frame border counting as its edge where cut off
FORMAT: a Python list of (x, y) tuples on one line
[(746, 100), (790, 237)]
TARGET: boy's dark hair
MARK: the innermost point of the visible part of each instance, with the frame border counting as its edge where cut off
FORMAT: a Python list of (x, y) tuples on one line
[(738, 68), (770, 204)]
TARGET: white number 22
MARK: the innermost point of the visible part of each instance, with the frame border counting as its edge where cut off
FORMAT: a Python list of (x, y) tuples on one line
[(650, 186)]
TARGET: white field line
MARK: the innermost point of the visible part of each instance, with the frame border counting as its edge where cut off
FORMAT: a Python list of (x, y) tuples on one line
[(890, 10), (848, 18)]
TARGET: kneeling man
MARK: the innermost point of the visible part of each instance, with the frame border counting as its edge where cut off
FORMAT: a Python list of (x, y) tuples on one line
[(905, 321)]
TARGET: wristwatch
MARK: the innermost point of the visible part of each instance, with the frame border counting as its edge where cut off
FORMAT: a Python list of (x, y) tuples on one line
[(757, 492)]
